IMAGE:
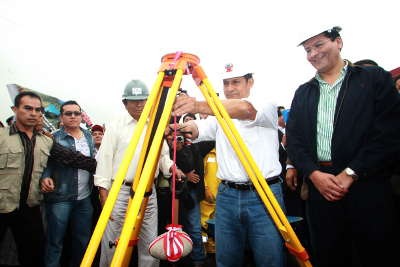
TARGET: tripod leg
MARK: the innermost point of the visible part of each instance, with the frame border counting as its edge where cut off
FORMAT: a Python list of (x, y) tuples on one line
[(105, 214), (250, 166), (134, 208), (152, 127)]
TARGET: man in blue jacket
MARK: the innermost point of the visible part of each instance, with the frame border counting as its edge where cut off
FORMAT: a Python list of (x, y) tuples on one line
[(342, 134), (67, 191)]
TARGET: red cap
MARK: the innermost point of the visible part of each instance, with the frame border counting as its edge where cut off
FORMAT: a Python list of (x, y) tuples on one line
[(97, 128)]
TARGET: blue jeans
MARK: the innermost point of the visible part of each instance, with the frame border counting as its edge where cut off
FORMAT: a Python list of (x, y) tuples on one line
[(58, 214), (241, 217), (193, 223)]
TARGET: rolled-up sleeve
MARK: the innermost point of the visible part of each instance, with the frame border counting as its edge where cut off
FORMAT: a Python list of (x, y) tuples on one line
[(165, 162), (267, 114), (104, 170)]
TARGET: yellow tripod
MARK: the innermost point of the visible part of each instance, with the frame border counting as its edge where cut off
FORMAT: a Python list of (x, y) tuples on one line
[(169, 77)]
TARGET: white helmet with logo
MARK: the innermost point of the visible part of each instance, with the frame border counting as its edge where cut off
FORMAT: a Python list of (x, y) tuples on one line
[(316, 30), (235, 69)]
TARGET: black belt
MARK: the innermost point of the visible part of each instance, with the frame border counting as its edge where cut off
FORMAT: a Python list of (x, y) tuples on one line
[(249, 185), (127, 183)]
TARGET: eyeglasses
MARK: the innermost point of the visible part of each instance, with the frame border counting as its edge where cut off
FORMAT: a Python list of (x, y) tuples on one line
[(317, 47), (69, 113)]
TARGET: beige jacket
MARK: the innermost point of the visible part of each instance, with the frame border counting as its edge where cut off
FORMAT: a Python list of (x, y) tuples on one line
[(12, 167)]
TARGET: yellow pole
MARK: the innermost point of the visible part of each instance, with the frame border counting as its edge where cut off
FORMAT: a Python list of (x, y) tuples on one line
[(275, 210), (139, 221), (134, 209), (112, 196)]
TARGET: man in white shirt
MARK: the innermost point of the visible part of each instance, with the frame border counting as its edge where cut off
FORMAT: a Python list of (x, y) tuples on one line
[(113, 147), (240, 216)]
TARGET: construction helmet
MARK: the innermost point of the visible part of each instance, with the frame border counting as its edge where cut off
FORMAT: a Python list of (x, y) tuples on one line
[(316, 30), (232, 70), (135, 90)]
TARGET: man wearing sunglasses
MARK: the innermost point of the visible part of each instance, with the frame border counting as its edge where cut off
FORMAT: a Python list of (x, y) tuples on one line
[(67, 191), (24, 153), (343, 135)]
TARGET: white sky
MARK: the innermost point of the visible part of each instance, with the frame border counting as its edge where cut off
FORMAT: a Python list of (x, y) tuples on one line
[(88, 50)]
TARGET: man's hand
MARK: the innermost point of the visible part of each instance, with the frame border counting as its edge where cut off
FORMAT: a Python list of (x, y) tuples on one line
[(190, 127), (284, 140), (47, 185), (103, 197), (184, 104), (291, 178), (49, 135), (346, 180), (210, 198), (179, 173), (328, 185), (192, 177)]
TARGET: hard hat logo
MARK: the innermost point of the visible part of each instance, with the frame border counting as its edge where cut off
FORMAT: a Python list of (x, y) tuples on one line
[(136, 91), (229, 67)]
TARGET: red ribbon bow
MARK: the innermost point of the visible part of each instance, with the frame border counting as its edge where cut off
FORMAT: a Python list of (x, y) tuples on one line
[(173, 244)]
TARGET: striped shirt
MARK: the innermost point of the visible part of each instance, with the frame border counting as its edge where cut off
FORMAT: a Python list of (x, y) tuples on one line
[(326, 112)]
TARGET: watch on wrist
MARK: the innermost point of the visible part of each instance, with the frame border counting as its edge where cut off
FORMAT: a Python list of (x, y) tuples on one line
[(351, 173)]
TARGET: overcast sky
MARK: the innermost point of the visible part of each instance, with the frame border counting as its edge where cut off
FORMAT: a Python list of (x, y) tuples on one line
[(88, 50)]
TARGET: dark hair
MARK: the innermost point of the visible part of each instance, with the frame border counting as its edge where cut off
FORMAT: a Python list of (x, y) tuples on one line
[(248, 76), (366, 61), (333, 35), (69, 102), (10, 118), (2, 125), (281, 107), (279, 112), (396, 78), (190, 115), (17, 100)]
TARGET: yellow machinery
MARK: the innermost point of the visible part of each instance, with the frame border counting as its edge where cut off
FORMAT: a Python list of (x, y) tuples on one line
[(158, 109)]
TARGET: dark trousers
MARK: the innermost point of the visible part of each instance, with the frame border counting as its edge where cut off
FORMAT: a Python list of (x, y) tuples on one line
[(27, 228), (365, 215)]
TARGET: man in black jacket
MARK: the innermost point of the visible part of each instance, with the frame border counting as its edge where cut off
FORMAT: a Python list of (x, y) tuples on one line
[(342, 134)]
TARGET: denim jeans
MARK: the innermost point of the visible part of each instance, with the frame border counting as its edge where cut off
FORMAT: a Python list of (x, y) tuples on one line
[(241, 217), (58, 214), (193, 223)]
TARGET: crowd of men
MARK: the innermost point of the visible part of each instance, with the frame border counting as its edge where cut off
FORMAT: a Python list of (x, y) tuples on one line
[(333, 163)]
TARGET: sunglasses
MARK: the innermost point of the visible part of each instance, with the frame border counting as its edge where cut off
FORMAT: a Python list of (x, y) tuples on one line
[(69, 113)]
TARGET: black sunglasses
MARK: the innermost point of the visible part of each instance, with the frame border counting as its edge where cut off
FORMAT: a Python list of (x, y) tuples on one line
[(69, 113)]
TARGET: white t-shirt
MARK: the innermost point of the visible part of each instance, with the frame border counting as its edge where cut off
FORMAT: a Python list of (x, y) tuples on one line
[(83, 176)]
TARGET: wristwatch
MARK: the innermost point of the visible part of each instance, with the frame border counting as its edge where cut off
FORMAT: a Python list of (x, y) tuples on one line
[(351, 173)]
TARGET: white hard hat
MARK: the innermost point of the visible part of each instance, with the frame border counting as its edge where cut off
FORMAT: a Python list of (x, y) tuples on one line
[(316, 30), (232, 70)]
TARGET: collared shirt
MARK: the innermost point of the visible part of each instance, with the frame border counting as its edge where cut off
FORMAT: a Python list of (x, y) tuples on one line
[(58, 154), (259, 135), (113, 147), (326, 112), (29, 147)]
